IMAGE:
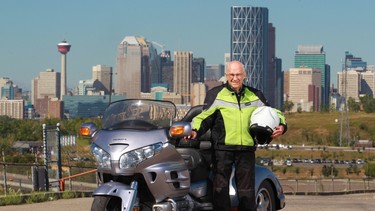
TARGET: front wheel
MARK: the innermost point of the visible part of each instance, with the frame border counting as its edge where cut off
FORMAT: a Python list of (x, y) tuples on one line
[(106, 203), (266, 197), (112, 203)]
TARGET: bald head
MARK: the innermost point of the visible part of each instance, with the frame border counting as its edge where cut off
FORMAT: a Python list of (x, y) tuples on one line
[(235, 74)]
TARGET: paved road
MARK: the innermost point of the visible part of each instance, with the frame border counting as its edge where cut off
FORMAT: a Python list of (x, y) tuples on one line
[(352, 202)]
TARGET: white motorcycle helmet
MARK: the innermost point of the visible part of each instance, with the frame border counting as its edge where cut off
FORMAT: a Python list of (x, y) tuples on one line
[(263, 123)]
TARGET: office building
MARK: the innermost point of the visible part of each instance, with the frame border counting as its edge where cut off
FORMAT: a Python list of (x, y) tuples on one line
[(270, 86), (198, 70), (353, 83), (44, 88), (313, 56), (46, 84), (137, 67), (182, 69), (91, 87), (198, 95), (349, 84), (250, 42), (279, 85), (12, 108), (304, 88), (368, 83), (5, 82), (7, 92), (355, 63), (167, 70), (214, 72), (103, 74)]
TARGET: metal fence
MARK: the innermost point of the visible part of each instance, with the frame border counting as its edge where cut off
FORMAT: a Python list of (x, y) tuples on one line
[(20, 177), (327, 186)]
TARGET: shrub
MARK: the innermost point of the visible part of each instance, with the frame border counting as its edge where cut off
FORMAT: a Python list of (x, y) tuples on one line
[(13, 197)]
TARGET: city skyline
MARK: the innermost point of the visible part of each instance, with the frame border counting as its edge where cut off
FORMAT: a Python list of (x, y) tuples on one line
[(31, 32)]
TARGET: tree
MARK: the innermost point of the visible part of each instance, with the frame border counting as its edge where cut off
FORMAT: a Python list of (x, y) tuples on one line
[(368, 103), (288, 105), (370, 169), (352, 105)]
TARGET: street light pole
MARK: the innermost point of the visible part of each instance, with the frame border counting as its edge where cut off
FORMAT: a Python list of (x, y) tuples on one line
[(110, 86)]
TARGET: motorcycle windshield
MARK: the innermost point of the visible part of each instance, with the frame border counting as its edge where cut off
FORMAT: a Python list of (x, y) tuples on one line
[(138, 114)]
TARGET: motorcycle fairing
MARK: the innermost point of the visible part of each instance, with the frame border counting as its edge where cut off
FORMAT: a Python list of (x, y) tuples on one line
[(127, 193)]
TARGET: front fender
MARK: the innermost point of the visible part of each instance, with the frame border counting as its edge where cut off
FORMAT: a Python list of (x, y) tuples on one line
[(127, 193)]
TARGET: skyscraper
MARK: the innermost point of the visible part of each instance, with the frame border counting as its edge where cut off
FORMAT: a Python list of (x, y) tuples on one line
[(182, 69), (313, 56), (47, 84), (137, 67), (214, 72), (304, 88), (355, 63), (44, 88), (199, 65), (249, 42), (103, 74), (270, 85), (167, 70)]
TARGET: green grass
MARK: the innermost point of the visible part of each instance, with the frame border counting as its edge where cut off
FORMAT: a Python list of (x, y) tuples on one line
[(323, 129)]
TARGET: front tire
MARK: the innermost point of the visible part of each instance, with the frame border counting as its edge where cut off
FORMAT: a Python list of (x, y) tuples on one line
[(266, 197), (106, 203)]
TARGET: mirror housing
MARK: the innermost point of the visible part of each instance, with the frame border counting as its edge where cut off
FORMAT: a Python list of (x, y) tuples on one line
[(87, 129), (180, 129)]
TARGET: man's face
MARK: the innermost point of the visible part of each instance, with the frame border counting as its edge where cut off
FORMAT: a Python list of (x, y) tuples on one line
[(235, 75)]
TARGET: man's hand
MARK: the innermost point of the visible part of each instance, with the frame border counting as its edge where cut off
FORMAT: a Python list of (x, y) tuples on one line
[(278, 132), (192, 136)]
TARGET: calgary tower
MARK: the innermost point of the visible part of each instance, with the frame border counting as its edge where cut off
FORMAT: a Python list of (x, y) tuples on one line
[(63, 47)]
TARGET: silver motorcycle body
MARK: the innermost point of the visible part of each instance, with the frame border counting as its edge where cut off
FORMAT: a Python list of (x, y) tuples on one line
[(141, 167)]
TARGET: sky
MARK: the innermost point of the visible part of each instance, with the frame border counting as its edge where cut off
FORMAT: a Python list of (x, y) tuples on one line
[(31, 30)]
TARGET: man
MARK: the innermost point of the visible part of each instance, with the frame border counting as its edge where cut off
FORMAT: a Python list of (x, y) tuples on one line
[(227, 113)]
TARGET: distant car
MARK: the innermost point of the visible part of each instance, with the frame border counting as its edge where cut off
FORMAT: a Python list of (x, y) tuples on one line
[(289, 162)]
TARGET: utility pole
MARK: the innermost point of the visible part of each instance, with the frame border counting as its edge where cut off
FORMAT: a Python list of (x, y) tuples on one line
[(110, 86), (344, 118)]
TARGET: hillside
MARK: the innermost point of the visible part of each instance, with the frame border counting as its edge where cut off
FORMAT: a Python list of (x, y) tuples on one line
[(323, 129)]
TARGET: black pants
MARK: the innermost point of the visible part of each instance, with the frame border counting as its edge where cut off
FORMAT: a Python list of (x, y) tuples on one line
[(244, 162)]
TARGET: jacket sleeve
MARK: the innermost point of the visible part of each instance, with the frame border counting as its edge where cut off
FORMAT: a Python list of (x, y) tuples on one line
[(204, 121)]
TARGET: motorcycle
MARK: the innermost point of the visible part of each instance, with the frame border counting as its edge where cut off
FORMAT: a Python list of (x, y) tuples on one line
[(144, 163)]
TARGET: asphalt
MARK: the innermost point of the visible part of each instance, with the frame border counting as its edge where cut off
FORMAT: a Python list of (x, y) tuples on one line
[(352, 202)]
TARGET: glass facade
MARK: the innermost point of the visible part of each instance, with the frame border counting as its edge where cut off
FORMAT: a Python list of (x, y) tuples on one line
[(314, 57), (249, 42)]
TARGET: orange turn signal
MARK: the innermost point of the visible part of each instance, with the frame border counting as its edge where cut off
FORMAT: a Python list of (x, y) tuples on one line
[(176, 130), (84, 131)]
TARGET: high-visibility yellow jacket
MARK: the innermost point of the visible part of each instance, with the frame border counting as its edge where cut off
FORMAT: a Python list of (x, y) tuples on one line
[(227, 114)]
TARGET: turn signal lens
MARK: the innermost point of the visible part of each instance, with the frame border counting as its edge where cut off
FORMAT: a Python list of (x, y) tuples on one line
[(84, 131), (176, 130)]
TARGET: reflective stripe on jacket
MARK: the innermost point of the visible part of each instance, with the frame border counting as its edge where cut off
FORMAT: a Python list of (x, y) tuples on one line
[(227, 114)]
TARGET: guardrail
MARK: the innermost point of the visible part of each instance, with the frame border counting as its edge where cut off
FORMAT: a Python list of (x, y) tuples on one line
[(325, 186), (19, 176)]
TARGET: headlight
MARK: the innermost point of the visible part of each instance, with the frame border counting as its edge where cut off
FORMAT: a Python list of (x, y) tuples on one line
[(101, 156), (133, 158)]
